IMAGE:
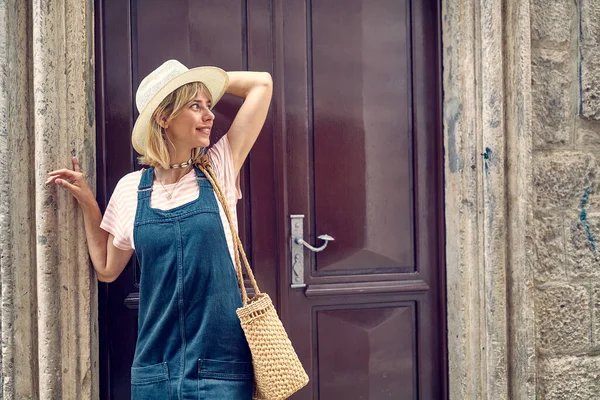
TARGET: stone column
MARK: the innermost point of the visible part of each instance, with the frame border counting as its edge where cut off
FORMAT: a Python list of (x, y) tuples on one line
[(519, 209), (487, 137), (17, 205), (49, 292), (462, 173)]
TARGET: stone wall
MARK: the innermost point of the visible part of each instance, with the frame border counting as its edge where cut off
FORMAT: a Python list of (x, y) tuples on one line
[(565, 231)]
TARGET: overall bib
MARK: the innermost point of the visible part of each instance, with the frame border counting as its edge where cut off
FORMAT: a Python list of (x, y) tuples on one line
[(190, 343)]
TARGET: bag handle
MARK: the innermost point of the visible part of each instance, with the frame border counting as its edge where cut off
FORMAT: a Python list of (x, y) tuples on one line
[(238, 249)]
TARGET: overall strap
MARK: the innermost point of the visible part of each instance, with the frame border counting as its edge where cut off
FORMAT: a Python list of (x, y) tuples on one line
[(145, 187)]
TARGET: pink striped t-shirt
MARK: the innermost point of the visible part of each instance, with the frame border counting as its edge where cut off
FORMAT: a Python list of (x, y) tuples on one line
[(120, 213)]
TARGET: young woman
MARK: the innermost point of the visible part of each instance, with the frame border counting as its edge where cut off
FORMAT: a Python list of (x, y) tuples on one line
[(190, 343)]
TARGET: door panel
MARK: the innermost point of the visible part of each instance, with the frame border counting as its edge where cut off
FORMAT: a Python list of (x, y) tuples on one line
[(352, 142), (134, 37), (361, 130), (379, 364)]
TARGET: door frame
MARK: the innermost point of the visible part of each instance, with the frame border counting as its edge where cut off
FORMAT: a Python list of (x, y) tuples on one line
[(488, 184), (280, 215)]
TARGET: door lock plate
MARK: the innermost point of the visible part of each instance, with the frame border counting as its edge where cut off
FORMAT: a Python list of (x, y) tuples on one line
[(297, 251)]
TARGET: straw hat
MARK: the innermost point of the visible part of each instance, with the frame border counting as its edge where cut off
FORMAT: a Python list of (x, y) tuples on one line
[(162, 81)]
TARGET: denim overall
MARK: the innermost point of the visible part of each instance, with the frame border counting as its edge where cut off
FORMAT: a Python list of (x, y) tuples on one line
[(190, 343)]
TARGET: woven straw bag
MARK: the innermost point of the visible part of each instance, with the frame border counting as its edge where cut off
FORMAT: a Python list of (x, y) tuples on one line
[(278, 372)]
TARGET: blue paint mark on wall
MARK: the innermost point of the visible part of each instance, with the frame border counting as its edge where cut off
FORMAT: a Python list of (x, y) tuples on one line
[(488, 153), (584, 221), (487, 156)]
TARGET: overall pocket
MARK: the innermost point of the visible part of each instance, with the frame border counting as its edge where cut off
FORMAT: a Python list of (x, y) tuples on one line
[(150, 382), (225, 379)]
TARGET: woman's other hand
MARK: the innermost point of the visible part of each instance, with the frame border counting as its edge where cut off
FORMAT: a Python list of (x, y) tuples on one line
[(74, 181)]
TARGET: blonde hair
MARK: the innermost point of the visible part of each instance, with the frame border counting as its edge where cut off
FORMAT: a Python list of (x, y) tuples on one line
[(157, 153)]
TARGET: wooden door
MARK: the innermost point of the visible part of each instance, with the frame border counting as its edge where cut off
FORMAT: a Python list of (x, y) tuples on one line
[(360, 116), (352, 142)]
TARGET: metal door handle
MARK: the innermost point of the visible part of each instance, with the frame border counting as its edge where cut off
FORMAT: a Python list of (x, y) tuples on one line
[(297, 249), (326, 238)]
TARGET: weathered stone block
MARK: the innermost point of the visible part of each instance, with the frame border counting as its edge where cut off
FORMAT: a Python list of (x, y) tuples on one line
[(590, 59), (563, 319), (588, 137), (548, 244), (560, 179), (552, 20), (572, 378), (590, 21), (552, 93), (583, 247), (590, 81)]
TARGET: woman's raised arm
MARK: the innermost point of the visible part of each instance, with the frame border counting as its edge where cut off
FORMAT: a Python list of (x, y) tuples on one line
[(256, 89)]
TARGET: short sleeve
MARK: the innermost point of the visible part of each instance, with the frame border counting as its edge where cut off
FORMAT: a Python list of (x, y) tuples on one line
[(113, 219), (221, 158)]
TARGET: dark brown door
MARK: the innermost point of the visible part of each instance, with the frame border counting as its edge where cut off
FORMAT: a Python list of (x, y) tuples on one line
[(352, 142)]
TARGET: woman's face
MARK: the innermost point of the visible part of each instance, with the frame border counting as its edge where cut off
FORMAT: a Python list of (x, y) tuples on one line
[(191, 128)]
